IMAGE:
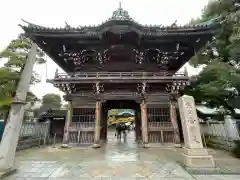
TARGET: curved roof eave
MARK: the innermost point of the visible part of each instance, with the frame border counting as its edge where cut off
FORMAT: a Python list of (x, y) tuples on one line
[(119, 15)]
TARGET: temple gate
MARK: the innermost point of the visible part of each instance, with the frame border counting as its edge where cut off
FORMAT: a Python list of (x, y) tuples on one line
[(121, 61)]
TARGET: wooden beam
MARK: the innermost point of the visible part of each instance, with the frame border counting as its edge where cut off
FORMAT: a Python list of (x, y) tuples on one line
[(115, 80)]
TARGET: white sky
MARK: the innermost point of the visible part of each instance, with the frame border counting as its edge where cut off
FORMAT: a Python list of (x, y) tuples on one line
[(54, 13)]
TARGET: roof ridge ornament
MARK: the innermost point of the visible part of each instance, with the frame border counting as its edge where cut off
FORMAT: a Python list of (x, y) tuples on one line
[(120, 4), (120, 13), (67, 25), (31, 24)]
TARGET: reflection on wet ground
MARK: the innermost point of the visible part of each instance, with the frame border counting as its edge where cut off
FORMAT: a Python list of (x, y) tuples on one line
[(116, 160)]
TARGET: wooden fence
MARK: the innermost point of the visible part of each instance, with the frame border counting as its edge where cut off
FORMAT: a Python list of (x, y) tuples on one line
[(33, 134), (215, 129), (217, 134)]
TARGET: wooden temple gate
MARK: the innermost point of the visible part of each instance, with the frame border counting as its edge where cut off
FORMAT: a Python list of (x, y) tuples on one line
[(121, 59), (81, 129)]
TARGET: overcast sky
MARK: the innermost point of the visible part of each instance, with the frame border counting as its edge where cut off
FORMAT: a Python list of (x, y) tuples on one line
[(54, 13)]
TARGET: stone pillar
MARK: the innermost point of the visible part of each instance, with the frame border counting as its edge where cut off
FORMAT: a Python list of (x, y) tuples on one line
[(97, 125), (67, 124), (173, 116), (144, 124), (13, 126), (231, 128), (194, 155)]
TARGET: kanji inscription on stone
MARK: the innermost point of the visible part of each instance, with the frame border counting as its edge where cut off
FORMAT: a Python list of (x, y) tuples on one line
[(190, 114)]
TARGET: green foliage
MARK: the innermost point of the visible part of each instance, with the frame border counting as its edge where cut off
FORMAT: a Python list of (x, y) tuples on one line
[(16, 56), (225, 44), (218, 84), (217, 8), (50, 101)]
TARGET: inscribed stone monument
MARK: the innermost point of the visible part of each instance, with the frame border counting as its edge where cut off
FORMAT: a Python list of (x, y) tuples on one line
[(194, 154)]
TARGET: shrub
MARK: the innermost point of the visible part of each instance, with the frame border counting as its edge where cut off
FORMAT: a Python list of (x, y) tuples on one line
[(236, 149)]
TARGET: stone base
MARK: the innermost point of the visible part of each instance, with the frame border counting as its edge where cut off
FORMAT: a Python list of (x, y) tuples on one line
[(195, 152), (96, 146), (162, 146), (64, 146), (146, 145), (7, 172), (197, 158), (177, 145)]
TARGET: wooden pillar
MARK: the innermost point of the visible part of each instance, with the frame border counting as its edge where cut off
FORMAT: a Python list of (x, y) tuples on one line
[(173, 116), (138, 124), (13, 126), (97, 125), (144, 123), (104, 125), (68, 121), (105, 120)]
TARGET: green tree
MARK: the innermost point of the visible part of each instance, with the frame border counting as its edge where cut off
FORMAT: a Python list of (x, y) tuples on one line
[(16, 56), (218, 84), (225, 45), (50, 101)]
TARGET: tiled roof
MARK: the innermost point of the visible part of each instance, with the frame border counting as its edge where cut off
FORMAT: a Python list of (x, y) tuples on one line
[(118, 15), (54, 114), (211, 111)]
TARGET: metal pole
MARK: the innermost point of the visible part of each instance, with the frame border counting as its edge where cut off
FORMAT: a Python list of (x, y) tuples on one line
[(45, 138), (39, 141), (54, 140), (12, 129)]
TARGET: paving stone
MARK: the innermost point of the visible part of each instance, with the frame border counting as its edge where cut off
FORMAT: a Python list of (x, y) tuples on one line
[(115, 161)]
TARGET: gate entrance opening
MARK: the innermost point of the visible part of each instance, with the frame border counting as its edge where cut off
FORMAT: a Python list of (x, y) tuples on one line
[(108, 123)]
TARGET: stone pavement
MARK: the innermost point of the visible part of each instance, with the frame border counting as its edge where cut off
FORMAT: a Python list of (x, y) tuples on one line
[(116, 160)]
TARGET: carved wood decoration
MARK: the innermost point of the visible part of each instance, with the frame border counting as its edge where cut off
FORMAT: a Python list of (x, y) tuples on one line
[(98, 88), (103, 56), (160, 57), (66, 87), (176, 86), (142, 88), (86, 56), (139, 56), (77, 58)]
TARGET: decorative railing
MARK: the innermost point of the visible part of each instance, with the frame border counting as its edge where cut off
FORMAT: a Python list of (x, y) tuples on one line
[(75, 126), (160, 125), (118, 75), (81, 133), (161, 132)]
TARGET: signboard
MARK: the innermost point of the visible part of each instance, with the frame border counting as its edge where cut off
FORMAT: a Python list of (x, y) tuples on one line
[(121, 120)]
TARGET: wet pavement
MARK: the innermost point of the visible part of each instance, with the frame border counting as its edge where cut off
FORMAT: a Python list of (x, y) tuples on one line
[(116, 160)]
